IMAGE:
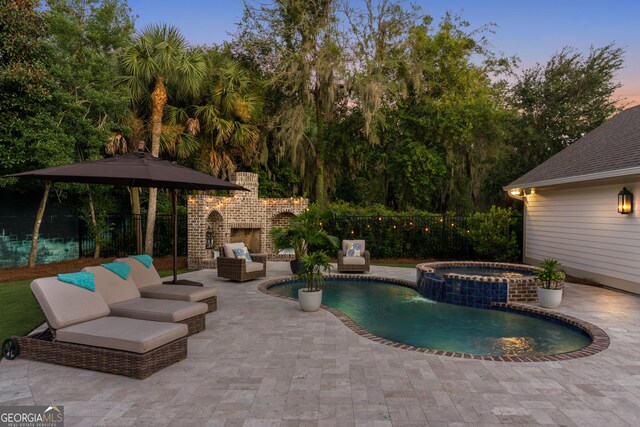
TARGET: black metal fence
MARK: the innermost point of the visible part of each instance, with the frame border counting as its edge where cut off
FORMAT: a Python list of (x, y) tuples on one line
[(121, 237), (415, 237)]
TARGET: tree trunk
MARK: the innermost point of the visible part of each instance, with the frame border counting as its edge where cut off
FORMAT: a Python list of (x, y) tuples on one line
[(321, 190), (94, 224), (158, 101), (151, 221), (36, 226), (134, 193)]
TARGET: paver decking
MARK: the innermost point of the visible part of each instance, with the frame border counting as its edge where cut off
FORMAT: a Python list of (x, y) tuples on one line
[(263, 362)]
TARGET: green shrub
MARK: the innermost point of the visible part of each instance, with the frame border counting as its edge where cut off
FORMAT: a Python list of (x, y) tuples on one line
[(492, 234), (313, 264), (551, 277)]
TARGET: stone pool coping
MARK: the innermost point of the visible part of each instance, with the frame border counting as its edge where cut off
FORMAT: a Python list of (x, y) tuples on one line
[(430, 267), (599, 339)]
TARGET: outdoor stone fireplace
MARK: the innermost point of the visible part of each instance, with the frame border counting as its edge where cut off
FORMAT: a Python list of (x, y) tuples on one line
[(240, 217)]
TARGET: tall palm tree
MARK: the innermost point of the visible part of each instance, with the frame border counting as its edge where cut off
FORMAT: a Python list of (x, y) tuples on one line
[(159, 58), (222, 117)]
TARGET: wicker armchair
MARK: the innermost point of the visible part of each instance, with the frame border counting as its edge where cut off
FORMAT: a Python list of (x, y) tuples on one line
[(239, 269), (353, 264)]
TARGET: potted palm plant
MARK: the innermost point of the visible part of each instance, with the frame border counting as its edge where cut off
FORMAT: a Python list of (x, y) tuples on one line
[(302, 232), (551, 280), (313, 266)]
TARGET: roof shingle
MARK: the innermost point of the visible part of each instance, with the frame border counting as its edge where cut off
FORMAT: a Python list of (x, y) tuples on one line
[(613, 145)]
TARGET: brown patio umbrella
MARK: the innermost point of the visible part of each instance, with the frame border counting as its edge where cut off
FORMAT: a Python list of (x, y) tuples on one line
[(138, 169)]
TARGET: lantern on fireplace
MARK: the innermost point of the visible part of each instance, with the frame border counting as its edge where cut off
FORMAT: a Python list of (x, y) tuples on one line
[(625, 201), (209, 239)]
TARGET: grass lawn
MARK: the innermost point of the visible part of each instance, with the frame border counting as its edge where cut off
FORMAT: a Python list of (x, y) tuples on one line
[(19, 312)]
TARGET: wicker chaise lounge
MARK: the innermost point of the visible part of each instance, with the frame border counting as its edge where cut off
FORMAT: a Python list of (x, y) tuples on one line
[(123, 298), (83, 335), (150, 285), (353, 263), (239, 269)]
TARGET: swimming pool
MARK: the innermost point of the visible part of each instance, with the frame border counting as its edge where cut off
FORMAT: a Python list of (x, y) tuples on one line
[(400, 314)]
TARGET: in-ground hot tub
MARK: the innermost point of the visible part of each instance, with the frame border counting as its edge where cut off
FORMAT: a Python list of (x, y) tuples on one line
[(477, 284)]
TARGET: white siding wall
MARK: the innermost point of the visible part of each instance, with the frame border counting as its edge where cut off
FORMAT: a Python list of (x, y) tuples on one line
[(582, 228)]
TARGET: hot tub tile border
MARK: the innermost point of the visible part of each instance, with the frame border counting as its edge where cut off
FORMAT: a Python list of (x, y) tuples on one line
[(599, 339)]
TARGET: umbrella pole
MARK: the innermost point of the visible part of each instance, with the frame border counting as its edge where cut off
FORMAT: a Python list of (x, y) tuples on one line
[(175, 234), (175, 281)]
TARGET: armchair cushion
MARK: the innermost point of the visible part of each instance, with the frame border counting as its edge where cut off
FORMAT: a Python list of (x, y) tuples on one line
[(254, 266), (354, 260), (229, 247)]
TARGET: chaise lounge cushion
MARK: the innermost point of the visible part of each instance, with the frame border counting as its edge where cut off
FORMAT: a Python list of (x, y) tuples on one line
[(160, 310), (65, 304), (354, 260), (178, 292), (141, 275), (149, 285), (113, 288), (229, 247), (138, 336)]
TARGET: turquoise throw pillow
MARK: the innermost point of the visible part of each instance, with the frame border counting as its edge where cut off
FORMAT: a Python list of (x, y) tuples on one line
[(146, 260), (242, 253), (122, 269), (85, 280)]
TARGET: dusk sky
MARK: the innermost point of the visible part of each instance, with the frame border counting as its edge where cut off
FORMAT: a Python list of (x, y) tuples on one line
[(532, 30)]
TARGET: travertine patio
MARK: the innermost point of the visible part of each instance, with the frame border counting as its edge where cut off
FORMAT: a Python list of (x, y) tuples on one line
[(262, 361)]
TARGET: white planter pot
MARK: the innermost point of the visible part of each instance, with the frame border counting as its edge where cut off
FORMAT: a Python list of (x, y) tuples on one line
[(309, 301), (549, 298)]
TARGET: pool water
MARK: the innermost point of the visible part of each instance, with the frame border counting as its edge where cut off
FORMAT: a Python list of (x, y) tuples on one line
[(402, 315), (484, 271)]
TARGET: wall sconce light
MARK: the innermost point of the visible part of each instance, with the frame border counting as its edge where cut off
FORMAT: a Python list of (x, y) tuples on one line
[(625, 201), (521, 193)]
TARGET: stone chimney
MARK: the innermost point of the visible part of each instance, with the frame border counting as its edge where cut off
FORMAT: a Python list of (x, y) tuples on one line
[(249, 181)]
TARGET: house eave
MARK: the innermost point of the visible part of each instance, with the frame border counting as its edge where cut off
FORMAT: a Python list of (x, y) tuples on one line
[(576, 179)]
